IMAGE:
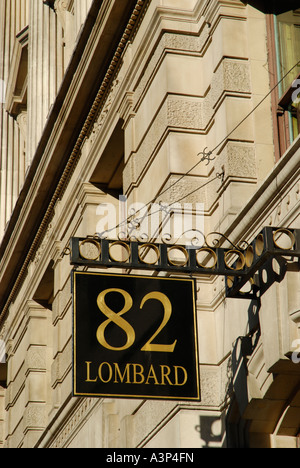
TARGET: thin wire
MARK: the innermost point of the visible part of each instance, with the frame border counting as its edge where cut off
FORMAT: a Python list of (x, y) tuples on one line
[(156, 197), (257, 106), (206, 156), (218, 176), (139, 221)]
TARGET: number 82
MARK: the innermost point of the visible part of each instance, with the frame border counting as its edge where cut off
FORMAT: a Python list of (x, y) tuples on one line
[(113, 317)]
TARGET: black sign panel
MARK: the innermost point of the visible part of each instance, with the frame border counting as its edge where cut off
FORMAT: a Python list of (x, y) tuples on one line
[(134, 337)]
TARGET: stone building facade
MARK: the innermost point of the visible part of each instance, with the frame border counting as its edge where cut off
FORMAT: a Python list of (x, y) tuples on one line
[(158, 101)]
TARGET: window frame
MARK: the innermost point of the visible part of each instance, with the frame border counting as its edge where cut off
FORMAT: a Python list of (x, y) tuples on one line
[(282, 112)]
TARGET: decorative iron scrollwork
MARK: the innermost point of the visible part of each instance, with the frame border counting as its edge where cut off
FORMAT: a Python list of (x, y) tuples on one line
[(239, 262), (206, 156)]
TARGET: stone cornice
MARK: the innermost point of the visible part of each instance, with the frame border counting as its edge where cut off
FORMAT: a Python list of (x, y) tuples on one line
[(16, 92)]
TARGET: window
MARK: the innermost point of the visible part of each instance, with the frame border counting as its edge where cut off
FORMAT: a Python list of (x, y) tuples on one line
[(284, 53), (289, 42)]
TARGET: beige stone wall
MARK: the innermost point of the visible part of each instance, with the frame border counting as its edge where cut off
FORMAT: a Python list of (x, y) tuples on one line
[(190, 74), (48, 36), (12, 141)]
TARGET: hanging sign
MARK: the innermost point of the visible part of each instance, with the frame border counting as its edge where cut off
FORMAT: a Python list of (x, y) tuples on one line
[(134, 337)]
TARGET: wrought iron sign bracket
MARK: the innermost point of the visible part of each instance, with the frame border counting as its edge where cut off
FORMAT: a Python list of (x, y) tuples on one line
[(240, 266), (260, 271)]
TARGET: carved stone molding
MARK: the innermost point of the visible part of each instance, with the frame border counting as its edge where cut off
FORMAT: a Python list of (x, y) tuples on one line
[(16, 91), (61, 365), (105, 109), (71, 426), (62, 8), (170, 42), (286, 209), (35, 416), (22, 122), (239, 161), (196, 113), (44, 244), (36, 358), (126, 108)]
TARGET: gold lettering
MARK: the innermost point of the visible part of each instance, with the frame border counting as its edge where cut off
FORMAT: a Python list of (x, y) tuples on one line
[(88, 379), (151, 375), (121, 376), (100, 372), (164, 375), (165, 301), (176, 376), (115, 318), (135, 373)]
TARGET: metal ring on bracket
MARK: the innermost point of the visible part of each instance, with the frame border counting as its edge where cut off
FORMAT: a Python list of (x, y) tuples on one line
[(249, 256), (259, 245), (250, 283), (182, 249), (93, 242), (241, 258), (230, 281), (121, 244), (150, 246), (290, 235), (209, 251)]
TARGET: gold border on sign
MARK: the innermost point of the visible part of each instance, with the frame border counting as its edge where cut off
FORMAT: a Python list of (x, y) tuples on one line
[(150, 397)]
